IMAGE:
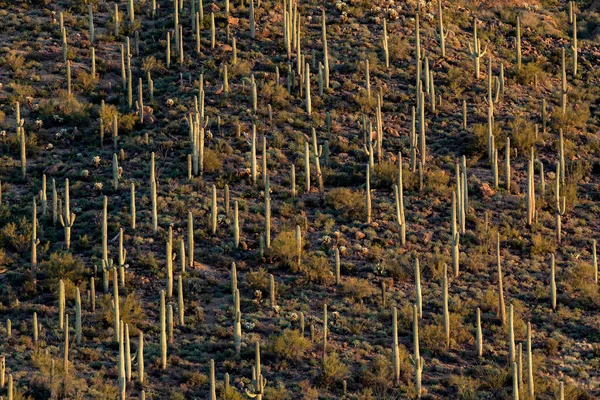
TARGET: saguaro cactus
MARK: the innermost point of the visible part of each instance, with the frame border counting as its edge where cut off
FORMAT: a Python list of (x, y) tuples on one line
[(163, 331), (442, 34), (518, 44), (502, 308), (475, 49), (68, 219), (416, 359), (479, 334), (445, 305), (418, 293), (574, 44)]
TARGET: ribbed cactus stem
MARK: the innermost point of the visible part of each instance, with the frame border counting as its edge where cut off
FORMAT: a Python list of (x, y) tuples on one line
[(214, 209), (563, 87), (501, 307), (116, 310), (515, 378), (93, 292), (307, 166), (180, 303), (190, 237), (530, 383), (399, 197), (455, 237), (418, 292), (368, 194), (121, 363), (475, 50), (132, 206), (253, 165), (307, 91), (163, 331), (35, 328), (553, 281), (66, 347), (169, 253), (518, 44), (77, 316), (252, 22), (272, 291), (105, 229), (140, 357), (338, 278), (442, 34), (153, 195), (395, 346), (574, 44), (512, 356), (61, 304), (416, 359), (479, 334), (384, 44), (445, 305), (34, 241)]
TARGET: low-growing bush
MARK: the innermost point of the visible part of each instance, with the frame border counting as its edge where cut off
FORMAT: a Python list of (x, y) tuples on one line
[(351, 204), (290, 345)]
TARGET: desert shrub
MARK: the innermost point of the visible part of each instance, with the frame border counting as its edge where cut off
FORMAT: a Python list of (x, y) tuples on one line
[(278, 392), (580, 280), (397, 266), (20, 92), (284, 247), (575, 118), (465, 386), (63, 265), (457, 80), (131, 310), (437, 183), (195, 378), (528, 72), (357, 288), (315, 268), (16, 236), (151, 64), (148, 262), (309, 392), (399, 48), (349, 203), (86, 82), (65, 106), (212, 161), (479, 141), (107, 114), (493, 378), (541, 244), (232, 394), (290, 345), (386, 175), (523, 135), (334, 370), (378, 373), (258, 279), (13, 61), (433, 337)]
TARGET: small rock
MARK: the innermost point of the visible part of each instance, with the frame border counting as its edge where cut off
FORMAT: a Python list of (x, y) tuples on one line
[(359, 235)]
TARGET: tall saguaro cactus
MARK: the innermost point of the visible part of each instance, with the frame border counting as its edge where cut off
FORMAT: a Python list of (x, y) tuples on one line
[(68, 219), (442, 34), (475, 49)]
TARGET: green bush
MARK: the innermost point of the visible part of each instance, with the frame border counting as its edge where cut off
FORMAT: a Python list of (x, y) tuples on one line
[(63, 265), (290, 345), (284, 247), (349, 203)]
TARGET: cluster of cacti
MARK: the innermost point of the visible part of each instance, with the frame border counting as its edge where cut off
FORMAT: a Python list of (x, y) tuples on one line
[(312, 152)]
